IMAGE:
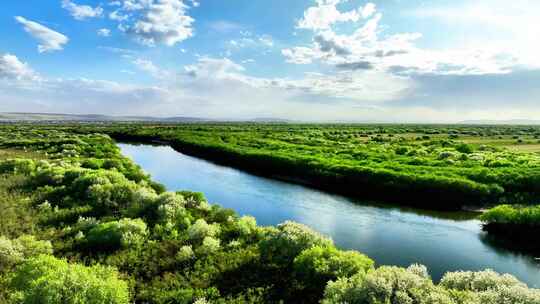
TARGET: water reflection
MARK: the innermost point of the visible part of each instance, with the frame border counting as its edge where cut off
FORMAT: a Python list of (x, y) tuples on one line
[(443, 241)]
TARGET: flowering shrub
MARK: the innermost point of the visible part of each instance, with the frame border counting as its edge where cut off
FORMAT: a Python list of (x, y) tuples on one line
[(322, 264), (282, 244), (201, 229), (45, 279), (490, 287), (392, 285), (209, 245), (117, 234), (15, 251), (185, 254)]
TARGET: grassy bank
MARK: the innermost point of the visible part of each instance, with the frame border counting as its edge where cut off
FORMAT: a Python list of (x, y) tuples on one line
[(434, 167), (88, 226)]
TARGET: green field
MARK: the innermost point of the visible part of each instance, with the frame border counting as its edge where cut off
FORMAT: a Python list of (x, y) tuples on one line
[(434, 167), (83, 224)]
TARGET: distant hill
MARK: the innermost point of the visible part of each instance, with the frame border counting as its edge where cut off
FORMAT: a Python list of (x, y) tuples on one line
[(502, 122), (58, 117), (16, 116)]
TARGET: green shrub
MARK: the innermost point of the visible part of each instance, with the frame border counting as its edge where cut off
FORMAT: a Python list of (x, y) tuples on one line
[(193, 199), (201, 229), (15, 251), (185, 254), (513, 215), (388, 285), (209, 245), (490, 287), (318, 265), (117, 234), (20, 166), (45, 279), (245, 226), (171, 209), (282, 244), (464, 148)]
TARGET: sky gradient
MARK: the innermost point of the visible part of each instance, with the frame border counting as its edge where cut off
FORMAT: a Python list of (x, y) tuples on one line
[(309, 60)]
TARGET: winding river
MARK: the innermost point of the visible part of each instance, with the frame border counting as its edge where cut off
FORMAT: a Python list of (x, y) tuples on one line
[(390, 235)]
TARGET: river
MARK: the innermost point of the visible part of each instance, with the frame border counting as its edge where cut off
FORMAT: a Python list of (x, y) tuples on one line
[(443, 241)]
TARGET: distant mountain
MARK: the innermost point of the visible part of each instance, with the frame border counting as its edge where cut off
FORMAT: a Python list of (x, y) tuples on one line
[(502, 122), (58, 117), (271, 120), (17, 116)]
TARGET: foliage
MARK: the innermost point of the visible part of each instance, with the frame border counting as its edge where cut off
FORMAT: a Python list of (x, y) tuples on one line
[(117, 234), (14, 251), (68, 191), (490, 287), (513, 215), (319, 265), (436, 167), (283, 244), (45, 279), (386, 284)]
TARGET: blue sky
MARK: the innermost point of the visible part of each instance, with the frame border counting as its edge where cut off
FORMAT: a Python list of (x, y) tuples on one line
[(313, 60)]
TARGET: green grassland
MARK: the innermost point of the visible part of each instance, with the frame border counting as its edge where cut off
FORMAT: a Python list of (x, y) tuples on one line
[(83, 224), (434, 167)]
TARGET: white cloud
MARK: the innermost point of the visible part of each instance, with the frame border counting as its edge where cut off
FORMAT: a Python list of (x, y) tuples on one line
[(49, 40), (325, 14), (251, 41), (368, 10), (224, 26), (81, 12), (117, 16), (11, 68), (104, 32), (221, 88), (300, 55), (365, 87), (149, 67), (155, 22), (511, 28), (367, 49), (372, 86), (266, 40), (214, 67)]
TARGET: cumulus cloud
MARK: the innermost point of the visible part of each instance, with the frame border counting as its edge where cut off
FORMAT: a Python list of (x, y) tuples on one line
[(149, 67), (49, 40), (221, 68), (23, 90), (117, 16), (367, 48), (325, 14), (497, 25), (104, 32), (248, 41), (155, 22), (81, 12), (11, 68), (222, 88), (300, 55)]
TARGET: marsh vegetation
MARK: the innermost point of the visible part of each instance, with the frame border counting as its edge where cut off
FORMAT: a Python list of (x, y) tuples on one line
[(85, 224)]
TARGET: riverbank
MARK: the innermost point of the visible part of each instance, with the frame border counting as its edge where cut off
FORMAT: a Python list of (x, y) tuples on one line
[(389, 234), (345, 181)]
